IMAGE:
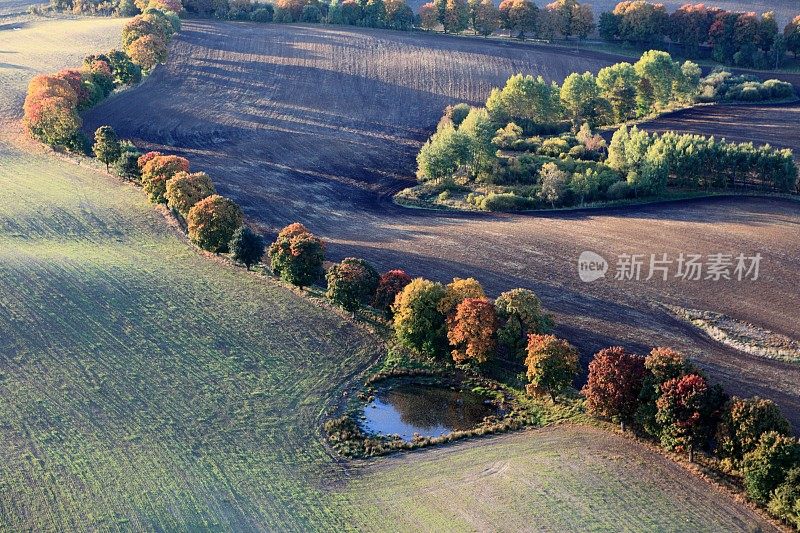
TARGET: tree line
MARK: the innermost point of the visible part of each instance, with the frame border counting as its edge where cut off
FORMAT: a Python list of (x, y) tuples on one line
[(51, 112)]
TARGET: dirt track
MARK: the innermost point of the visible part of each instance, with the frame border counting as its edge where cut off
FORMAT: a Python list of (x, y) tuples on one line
[(321, 125)]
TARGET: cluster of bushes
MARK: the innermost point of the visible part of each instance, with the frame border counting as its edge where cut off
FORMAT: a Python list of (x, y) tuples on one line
[(742, 39), (666, 397), (54, 101), (723, 86), (467, 139), (650, 162), (121, 8), (392, 14), (522, 18)]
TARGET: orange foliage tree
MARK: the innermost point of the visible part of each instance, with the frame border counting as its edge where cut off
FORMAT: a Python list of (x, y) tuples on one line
[(212, 222), (157, 171), (552, 365), (50, 110), (473, 330), (148, 51), (184, 190)]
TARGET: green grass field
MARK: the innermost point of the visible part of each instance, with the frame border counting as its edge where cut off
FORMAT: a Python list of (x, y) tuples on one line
[(144, 386)]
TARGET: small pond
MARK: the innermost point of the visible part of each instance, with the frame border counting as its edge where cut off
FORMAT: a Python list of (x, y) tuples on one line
[(428, 410)]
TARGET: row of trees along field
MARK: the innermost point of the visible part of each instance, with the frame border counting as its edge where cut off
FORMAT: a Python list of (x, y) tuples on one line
[(663, 395), (54, 101), (743, 39), (500, 147)]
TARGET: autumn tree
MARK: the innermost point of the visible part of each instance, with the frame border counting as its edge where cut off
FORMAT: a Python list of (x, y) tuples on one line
[(792, 35), (520, 314), (617, 85), (50, 110), (184, 190), (681, 413), (246, 246), (418, 323), (456, 16), (614, 383), (297, 256), (552, 365), (472, 330), (485, 17), (429, 16), (639, 21), (742, 424), (518, 17), (690, 24), (389, 286), (456, 292), (212, 222), (571, 18), (399, 16), (106, 145), (662, 364), (351, 283), (157, 171), (767, 466)]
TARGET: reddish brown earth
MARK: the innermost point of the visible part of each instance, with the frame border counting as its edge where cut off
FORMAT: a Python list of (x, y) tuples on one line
[(321, 125)]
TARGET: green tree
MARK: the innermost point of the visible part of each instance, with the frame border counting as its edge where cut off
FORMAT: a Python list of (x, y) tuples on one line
[(443, 154), (479, 130), (212, 222), (743, 423), (785, 500), (687, 83), (582, 101), (106, 145), (618, 84), (520, 314), (662, 364), (351, 283), (246, 246), (418, 323), (525, 99), (127, 164), (660, 71), (767, 466), (456, 16), (297, 256), (792, 35), (484, 17), (125, 71), (552, 365), (553, 183)]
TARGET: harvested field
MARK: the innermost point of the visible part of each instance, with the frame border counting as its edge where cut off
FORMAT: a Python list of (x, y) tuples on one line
[(321, 125), (500, 487)]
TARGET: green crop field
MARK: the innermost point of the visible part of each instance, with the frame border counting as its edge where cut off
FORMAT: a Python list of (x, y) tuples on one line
[(145, 386)]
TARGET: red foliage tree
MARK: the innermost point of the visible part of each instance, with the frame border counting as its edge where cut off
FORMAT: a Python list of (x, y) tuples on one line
[(615, 381), (144, 158), (473, 330), (389, 286), (681, 413)]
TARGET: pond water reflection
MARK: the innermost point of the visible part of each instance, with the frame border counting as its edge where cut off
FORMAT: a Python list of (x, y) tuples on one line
[(427, 410)]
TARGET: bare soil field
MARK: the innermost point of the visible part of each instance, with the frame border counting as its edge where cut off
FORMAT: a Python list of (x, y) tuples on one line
[(321, 125)]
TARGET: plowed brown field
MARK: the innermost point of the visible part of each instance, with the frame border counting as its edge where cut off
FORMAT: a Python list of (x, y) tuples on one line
[(321, 125)]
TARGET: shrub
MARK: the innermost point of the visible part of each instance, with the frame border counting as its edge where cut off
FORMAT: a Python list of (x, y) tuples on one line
[(552, 365), (125, 71), (615, 381), (106, 145), (184, 190), (619, 190), (246, 246), (127, 164), (743, 423), (519, 314), (785, 500), (768, 465), (157, 170), (296, 256), (472, 330), (506, 202), (212, 222), (418, 323), (389, 286), (351, 283)]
